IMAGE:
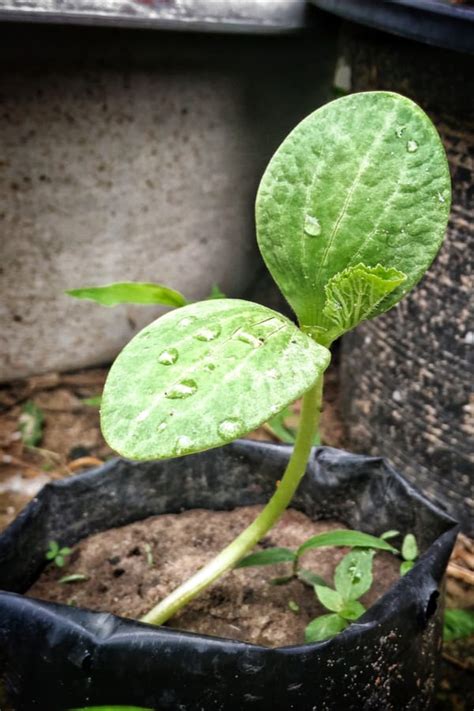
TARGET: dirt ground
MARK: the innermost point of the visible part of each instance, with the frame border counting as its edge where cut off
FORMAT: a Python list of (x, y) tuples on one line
[(132, 567)]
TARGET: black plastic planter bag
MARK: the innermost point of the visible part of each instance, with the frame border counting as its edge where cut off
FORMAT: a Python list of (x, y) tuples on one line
[(57, 657)]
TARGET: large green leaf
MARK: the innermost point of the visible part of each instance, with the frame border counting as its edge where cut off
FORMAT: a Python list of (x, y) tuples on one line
[(129, 292), (204, 375), (362, 180)]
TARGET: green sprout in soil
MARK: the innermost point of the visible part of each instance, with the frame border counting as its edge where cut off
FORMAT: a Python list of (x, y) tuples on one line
[(57, 554), (350, 213), (352, 579)]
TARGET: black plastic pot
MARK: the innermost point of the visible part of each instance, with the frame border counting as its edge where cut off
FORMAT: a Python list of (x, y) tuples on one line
[(436, 22), (56, 657)]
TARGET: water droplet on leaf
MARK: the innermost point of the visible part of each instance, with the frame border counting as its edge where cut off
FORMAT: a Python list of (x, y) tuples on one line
[(181, 390), (399, 131), (230, 428), (273, 374), (312, 226), (168, 357), (183, 443), (208, 333), (187, 321), (412, 146), (162, 426), (246, 337), (441, 198)]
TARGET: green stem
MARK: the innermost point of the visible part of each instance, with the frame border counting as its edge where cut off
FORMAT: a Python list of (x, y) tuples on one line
[(229, 556)]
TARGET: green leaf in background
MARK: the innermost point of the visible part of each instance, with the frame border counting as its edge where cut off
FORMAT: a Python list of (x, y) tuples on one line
[(354, 294), (345, 538), (216, 293), (31, 424), (409, 547), (389, 534), (204, 375), (285, 433), (406, 566), (94, 401), (331, 599), (353, 576), (391, 205), (73, 578), (458, 624), (324, 627), (53, 550), (310, 578), (129, 292), (352, 610), (269, 556)]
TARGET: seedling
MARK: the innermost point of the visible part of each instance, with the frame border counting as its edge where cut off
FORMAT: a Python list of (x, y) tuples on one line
[(409, 553), (350, 213), (31, 424), (352, 579), (57, 554)]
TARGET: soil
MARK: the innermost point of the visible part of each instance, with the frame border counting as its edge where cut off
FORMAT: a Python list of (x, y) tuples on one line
[(243, 605)]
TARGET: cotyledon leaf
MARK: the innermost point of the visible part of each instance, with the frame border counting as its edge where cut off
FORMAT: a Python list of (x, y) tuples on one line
[(363, 179), (203, 375)]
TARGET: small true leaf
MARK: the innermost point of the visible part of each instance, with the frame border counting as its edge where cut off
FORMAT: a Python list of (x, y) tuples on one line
[(204, 375), (352, 610), (331, 599), (389, 534), (269, 556), (59, 561), (364, 179), (406, 566), (345, 538), (31, 424), (354, 294), (353, 576), (409, 547), (324, 627), (310, 578), (129, 292), (458, 624), (73, 578)]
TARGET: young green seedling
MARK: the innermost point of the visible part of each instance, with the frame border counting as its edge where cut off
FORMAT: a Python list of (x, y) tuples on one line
[(57, 554), (409, 553), (343, 537), (353, 578), (350, 213)]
